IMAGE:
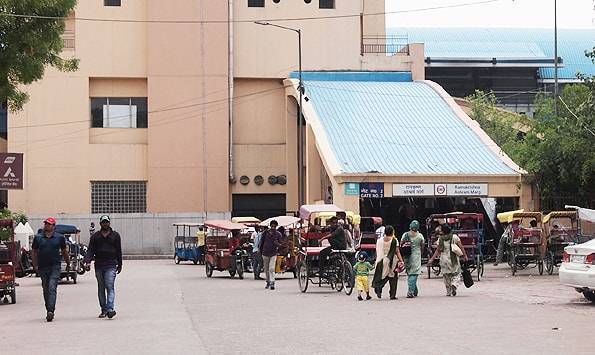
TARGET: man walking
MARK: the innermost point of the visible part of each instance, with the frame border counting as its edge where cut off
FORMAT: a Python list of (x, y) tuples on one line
[(269, 246), (106, 249), (46, 258)]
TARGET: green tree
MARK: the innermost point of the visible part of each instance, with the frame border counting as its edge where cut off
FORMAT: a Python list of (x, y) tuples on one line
[(28, 45), (557, 150)]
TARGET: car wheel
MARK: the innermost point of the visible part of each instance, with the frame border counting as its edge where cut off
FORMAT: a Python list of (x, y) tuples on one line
[(176, 259), (589, 295), (13, 296)]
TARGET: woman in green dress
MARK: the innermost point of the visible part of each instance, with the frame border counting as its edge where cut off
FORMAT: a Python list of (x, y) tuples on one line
[(412, 246), (450, 265)]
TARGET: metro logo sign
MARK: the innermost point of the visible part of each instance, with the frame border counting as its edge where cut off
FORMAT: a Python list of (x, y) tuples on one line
[(11, 171)]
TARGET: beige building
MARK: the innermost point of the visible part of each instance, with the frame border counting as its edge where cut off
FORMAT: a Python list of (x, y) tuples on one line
[(184, 107)]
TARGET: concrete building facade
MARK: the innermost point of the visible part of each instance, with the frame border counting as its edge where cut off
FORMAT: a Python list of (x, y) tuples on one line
[(184, 109)]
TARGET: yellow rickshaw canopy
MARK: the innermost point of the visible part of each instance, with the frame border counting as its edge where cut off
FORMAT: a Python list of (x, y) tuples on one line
[(507, 217)]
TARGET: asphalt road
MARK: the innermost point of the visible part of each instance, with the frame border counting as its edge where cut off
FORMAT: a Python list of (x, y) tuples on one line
[(168, 308)]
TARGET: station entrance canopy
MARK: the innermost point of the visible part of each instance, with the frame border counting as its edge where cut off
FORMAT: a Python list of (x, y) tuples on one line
[(382, 131)]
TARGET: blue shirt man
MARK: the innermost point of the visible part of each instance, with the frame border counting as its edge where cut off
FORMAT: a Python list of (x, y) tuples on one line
[(47, 247)]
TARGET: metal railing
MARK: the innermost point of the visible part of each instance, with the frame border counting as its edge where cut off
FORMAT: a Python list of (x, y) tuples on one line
[(68, 38), (384, 45)]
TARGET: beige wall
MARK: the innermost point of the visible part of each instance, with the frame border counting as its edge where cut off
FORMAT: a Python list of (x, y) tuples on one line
[(187, 64), (259, 134), (181, 64)]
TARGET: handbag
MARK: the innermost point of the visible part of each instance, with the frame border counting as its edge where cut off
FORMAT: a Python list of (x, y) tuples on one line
[(455, 249), (406, 246), (467, 278)]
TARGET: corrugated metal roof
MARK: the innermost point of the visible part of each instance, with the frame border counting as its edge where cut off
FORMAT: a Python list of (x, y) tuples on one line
[(398, 128), (572, 44), (484, 50)]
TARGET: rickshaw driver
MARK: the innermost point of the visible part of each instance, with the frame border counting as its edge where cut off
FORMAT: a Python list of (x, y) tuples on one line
[(336, 239), (233, 245)]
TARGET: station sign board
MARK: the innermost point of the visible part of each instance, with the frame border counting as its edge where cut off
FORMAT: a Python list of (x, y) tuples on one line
[(371, 190), (352, 189), (466, 189), (11, 171), (406, 190)]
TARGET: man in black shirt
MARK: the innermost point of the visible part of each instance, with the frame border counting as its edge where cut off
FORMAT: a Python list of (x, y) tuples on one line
[(46, 258), (336, 239), (106, 249)]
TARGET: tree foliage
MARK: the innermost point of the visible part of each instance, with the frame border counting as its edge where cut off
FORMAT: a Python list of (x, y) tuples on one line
[(558, 150), (28, 45)]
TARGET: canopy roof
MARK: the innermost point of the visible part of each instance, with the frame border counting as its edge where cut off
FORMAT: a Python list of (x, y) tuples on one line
[(223, 224), (584, 214), (307, 210), (560, 214), (507, 217), (284, 221), (246, 220)]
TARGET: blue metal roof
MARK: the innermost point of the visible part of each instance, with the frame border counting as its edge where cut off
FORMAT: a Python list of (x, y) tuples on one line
[(572, 44), (397, 128)]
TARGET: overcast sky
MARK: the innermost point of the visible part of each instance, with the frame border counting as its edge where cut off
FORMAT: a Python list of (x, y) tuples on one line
[(505, 13)]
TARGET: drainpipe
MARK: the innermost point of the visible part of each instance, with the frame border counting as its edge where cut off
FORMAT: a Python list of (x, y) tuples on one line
[(232, 178)]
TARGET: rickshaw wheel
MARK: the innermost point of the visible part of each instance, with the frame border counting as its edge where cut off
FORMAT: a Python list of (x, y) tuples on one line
[(232, 273), (513, 265), (303, 277), (295, 274), (479, 269), (549, 263), (176, 259), (429, 272), (240, 269), (540, 267), (209, 269), (348, 278), (13, 296), (74, 278)]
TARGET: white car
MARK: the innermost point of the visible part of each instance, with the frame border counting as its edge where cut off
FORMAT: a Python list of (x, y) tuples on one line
[(578, 268)]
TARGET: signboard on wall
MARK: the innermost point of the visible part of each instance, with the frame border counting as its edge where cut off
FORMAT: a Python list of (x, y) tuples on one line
[(371, 190), (11, 171), (413, 190), (438, 190), (352, 189), (467, 189)]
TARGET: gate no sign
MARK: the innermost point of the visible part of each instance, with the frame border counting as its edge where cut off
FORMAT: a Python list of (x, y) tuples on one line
[(11, 171)]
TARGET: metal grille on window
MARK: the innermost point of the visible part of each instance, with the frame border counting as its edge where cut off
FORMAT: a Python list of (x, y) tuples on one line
[(118, 196)]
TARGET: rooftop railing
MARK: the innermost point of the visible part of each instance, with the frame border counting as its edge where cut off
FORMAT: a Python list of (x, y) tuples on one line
[(384, 45)]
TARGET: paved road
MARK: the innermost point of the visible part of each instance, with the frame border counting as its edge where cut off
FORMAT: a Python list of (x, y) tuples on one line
[(167, 308)]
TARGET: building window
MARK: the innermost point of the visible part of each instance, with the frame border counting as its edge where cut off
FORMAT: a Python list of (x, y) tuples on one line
[(112, 2), (119, 112), (255, 3), (326, 4), (118, 196)]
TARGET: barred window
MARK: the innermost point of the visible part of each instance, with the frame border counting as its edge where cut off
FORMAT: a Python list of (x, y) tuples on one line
[(118, 196)]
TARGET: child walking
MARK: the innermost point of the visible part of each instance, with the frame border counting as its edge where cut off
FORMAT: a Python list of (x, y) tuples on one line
[(362, 268)]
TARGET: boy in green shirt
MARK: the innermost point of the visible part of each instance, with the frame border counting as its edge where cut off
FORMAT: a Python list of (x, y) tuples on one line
[(362, 268)]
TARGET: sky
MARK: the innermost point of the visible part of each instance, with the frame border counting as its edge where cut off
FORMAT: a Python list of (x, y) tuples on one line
[(503, 13)]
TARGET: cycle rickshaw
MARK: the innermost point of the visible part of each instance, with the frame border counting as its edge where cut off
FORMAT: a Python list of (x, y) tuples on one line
[(186, 242), (527, 245), (469, 228), (561, 228), (368, 237), (338, 273), (9, 249), (222, 252)]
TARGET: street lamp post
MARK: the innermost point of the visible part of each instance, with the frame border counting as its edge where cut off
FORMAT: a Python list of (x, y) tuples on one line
[(556, 92), (301, 178)]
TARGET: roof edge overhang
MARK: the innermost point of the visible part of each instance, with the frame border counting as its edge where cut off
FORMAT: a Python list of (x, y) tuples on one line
[(492, 62), (327, 155), (560, 81)]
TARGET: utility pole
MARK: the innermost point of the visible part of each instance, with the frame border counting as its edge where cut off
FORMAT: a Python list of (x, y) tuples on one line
[(556, 92)]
